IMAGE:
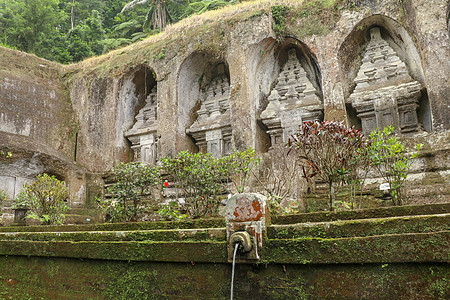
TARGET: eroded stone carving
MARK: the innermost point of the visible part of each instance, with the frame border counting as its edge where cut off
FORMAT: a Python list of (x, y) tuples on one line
[(293, 100), (143, 135), (385, 93), (212, 128)]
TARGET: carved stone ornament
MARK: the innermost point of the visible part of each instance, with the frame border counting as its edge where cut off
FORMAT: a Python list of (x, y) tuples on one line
[(293, 101), (212, 128), (385, 93), (143, 133)]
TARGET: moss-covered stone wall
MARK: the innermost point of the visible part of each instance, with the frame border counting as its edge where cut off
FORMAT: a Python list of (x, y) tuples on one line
[(64, 278)]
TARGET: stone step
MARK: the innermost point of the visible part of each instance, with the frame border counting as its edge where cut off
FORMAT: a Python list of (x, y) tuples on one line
[(362, 227), (381, 212), (131, 226), (207, 234)]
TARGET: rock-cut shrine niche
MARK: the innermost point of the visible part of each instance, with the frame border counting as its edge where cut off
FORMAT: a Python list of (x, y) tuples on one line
[(143, 135), (292, 101), (385, 93), (212, 128)]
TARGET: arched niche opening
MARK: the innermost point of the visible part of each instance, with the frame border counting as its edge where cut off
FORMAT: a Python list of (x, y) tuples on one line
[(383, 78), (138, 113), (204, 105), (295, 93)]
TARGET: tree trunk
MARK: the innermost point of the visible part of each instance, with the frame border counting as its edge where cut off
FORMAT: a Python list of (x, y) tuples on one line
[(72, 14), (332, 196)]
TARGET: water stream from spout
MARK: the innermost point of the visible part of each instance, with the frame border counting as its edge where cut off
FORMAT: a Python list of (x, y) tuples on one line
[(236, 246)]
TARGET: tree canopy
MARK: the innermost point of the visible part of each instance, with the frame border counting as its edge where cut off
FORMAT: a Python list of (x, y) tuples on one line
[(69, 31)]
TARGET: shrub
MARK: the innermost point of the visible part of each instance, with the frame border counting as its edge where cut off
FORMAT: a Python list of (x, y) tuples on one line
[(391, 160), (199, 178), (328, 150), (46, 197), (170, 212), (3, 197), (279, 178), (134, 182), (240, 166)]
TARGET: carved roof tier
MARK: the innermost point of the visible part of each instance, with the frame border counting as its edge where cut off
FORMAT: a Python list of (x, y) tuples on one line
[(381, 66), (215, 108), (146, 118), (293, 90)]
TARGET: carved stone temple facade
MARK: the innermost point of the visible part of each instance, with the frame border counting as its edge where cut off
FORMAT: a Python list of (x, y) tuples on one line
[(143, 135), (227, 82), (385, 93), (212, 128), (292, 101)]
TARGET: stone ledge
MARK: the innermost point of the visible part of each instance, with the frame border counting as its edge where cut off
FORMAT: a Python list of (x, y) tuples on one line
[(362, 227), (211, 252), (394, 248), (381, 212), (172, 235), (208, 223)]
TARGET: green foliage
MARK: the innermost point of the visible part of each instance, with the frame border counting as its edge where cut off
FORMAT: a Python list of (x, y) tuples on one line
[(198, 7), (46, 198), (21, 201), (279, 13), (158, 12), (276, 208), (3, 197), (5, 155), (135, 181), (71, 30), (240, 165), (199, 178), (329, 151), (171, 212), (391, 160)]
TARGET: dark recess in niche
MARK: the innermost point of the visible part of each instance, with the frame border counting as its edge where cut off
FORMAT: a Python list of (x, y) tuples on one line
[(424, 112), (144, 80), (352, 117), (76, 146), (448, 19)]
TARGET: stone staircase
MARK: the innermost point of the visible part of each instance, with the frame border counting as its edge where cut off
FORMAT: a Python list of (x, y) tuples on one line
[(198, 240), (418, 233), (384, 235)]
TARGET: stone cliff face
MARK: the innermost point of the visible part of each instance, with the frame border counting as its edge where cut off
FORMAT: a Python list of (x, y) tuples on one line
[(243, 77), (37, 125)]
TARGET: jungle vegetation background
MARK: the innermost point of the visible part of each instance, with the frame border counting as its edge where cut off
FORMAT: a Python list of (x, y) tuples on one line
[(69, 31)]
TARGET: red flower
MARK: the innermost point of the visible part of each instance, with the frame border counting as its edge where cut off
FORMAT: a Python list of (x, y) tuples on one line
[(166, 183)]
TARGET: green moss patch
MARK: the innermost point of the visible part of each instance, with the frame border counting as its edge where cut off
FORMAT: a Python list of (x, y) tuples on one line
[(65, 278), (211, 252)]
